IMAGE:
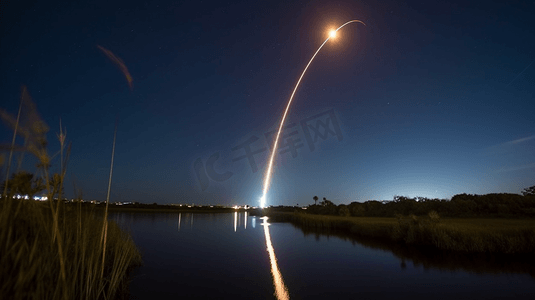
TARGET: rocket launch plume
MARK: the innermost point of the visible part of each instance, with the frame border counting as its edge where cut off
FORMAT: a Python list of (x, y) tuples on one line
[(269, 170)]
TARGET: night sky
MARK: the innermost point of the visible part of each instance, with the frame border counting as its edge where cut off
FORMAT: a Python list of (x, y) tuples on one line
[(431, 98)]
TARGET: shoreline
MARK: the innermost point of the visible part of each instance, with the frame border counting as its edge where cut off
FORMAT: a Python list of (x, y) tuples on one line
[(468, 235), (159, 209), (168, 210)]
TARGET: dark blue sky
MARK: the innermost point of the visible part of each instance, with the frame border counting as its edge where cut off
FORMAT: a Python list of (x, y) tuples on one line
[(431, 98)]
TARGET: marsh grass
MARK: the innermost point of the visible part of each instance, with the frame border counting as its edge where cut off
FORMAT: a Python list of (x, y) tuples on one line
[(430, 257), (31, 265), (467, 235), (49, 250)]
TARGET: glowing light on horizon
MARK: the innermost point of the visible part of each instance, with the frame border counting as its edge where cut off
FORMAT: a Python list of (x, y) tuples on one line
[(263, 200), (269, 170), (281, 292)]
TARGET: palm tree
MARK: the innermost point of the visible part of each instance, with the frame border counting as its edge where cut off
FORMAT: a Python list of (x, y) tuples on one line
[(315, 199)]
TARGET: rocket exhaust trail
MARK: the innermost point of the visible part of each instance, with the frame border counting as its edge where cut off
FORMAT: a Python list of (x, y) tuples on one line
[(267, 178)]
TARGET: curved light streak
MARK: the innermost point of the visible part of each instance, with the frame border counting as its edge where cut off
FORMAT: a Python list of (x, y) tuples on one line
[(269, 170), (119, 62), (281, 292)]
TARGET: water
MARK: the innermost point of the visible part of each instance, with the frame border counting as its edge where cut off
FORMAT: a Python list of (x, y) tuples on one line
[(225, 256)]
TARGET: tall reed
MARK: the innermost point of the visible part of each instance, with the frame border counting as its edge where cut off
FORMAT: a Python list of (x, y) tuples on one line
[(52, 251), (31, 265)]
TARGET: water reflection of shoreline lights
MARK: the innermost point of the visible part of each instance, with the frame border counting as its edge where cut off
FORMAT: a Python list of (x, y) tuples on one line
[(179, 219), (281, 292), (235, 220)]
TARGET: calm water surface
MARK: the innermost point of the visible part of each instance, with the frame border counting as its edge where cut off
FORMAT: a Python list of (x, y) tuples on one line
[(229, 256)]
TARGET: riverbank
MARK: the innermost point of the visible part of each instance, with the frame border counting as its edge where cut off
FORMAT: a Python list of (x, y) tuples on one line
[(507, 236), (161, 209), (55, 251)]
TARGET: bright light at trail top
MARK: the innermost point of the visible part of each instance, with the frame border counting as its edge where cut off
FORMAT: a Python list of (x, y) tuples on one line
[(332, 33)]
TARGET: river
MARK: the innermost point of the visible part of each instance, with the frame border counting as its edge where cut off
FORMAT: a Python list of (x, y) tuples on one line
[(237, 256)]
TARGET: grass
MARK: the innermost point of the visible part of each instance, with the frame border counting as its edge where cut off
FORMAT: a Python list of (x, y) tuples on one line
[(467, 235), (49, 250), (429, 257), (31, 267)]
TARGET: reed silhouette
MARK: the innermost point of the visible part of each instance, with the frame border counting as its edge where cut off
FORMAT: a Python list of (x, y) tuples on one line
[(50, 250)]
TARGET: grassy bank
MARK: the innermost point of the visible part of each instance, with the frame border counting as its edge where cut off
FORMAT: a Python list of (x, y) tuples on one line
[(49, 250), (467, 235), (49, 253)]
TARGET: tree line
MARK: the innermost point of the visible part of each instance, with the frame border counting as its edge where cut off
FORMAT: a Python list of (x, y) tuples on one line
[(462, 205), (27, 184)]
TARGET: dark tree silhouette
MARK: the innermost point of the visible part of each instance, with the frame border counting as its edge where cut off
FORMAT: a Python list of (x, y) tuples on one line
[(343, 210), (326, 202), (529, 191), (24, 183), (315, 199), (494, 205)]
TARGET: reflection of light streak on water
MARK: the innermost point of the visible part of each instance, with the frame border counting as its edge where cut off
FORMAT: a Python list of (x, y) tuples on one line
[(267, 179), (254, 222), (235, 220), (245, 224), (191, 225), (179, 219), (280, 289)]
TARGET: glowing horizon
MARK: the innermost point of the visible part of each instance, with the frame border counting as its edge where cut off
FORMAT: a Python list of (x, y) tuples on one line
[(269, 170)]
